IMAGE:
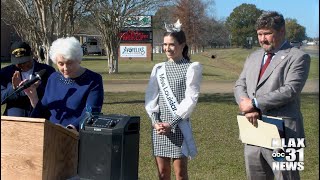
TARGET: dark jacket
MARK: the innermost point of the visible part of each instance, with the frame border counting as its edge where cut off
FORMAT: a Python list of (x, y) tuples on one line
[(19, 104)]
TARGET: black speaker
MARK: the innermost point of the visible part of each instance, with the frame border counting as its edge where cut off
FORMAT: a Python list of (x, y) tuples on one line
[(109, 148)]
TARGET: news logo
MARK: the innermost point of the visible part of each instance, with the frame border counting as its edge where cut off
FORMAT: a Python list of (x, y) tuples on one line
[(288, 156), (278, 155)]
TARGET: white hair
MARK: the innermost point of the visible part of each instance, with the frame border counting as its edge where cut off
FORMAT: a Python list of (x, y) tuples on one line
[(68, 47)]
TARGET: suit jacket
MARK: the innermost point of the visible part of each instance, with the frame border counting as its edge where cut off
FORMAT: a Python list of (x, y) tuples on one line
[(278, 91), (19, 104)]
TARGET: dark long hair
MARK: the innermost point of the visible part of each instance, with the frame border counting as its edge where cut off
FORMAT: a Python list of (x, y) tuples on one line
[(181, 38)]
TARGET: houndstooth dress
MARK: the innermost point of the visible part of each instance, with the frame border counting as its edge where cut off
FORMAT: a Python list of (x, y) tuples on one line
[(168, 145)]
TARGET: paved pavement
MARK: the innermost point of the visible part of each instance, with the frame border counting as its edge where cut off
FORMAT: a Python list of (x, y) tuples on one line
[(208, 86)]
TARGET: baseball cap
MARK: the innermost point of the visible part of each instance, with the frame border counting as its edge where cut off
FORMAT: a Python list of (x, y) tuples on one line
[(20, 52)]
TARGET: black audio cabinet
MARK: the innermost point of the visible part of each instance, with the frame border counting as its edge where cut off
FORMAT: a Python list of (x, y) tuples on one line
[(109, 148)]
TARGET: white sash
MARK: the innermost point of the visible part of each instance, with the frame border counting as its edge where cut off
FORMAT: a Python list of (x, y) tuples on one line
[(188, 148)]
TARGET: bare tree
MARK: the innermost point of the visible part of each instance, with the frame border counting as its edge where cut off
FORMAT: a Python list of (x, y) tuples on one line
[(109, 18), (197, 19), (162, 16), (216, 33), (191, 14), (41, 21)]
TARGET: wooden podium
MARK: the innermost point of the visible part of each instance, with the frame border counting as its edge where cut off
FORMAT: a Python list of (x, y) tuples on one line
[(33, 149)]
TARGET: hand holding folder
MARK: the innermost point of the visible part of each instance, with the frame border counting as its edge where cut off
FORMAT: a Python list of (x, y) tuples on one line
[(268, 128)]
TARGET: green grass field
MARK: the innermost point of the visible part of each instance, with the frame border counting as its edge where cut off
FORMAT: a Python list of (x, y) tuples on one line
[(214, 119), (216, 133), (225, 67)]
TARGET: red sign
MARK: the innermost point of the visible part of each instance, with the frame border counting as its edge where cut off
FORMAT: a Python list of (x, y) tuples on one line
[(135, 36)]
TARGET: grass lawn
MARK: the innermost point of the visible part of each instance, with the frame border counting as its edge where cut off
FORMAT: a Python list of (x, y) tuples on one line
[(216, 133), (225, 67), (214, 119)]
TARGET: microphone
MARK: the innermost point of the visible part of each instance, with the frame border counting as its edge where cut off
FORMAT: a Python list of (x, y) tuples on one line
[(28, 83)]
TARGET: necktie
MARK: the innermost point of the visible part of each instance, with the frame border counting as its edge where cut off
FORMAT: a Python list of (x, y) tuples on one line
[(264, 67)]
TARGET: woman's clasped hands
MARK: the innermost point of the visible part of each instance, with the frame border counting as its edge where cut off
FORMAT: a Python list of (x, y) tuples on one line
[(162, 128)]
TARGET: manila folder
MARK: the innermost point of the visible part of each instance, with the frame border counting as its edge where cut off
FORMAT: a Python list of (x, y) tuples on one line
[(261, 135)]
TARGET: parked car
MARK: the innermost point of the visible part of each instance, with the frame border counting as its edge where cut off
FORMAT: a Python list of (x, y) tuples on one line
[(296, 44), (311, 43), (91, 47)]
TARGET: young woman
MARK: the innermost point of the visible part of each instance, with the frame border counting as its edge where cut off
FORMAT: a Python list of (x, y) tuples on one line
[(171, 96)]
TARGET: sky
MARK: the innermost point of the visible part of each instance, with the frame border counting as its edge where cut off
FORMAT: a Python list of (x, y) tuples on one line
[(306, 12)]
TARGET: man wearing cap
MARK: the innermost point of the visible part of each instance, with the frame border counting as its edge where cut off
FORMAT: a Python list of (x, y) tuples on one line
[(23, 67)]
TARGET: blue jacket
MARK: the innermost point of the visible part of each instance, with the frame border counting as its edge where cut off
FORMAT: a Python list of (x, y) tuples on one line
[(19, 104), (65, 99)]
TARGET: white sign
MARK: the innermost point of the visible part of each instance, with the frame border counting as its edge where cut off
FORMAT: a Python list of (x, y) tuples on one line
[(133, 51)]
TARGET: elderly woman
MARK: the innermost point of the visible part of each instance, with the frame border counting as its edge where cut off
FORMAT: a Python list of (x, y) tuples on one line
[(70, 90)]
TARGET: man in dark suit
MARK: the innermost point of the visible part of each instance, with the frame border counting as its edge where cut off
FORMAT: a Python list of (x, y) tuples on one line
[(274, 92), (22, 67)]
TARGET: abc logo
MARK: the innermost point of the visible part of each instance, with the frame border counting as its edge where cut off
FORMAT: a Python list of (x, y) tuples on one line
[(278, 155)]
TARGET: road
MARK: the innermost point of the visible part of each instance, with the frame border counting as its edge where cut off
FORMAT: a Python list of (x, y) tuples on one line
[(313, 51)]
